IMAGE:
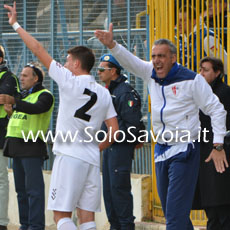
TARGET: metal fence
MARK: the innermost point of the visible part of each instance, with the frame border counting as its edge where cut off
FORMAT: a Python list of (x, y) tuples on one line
[(199, 28), (61, 24)]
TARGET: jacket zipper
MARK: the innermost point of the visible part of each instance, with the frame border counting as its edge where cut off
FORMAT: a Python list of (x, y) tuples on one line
[(161, 113)]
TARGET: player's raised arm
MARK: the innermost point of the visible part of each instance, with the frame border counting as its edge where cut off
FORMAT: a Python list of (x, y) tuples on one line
[(34, 45)]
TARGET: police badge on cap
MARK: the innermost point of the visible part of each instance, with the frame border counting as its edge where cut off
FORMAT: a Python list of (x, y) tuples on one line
[(111, 59)]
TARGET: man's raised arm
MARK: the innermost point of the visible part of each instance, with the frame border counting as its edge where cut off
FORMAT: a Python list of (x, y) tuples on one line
[(106, 37), (35, 46)]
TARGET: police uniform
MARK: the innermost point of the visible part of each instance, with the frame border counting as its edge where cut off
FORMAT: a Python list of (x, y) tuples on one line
[(117, 159)]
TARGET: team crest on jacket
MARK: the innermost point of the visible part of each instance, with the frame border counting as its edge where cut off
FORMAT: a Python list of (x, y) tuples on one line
[(175, 90)]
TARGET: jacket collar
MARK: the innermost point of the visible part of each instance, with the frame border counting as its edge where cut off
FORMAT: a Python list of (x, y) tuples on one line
[(216, 82), (34, 89), (115, 83), (169, 77)]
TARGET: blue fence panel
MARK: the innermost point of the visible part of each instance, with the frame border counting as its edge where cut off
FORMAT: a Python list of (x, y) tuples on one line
[(61, 24)]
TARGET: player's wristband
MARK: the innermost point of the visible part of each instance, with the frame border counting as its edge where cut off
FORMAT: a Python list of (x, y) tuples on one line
[(16, 26)]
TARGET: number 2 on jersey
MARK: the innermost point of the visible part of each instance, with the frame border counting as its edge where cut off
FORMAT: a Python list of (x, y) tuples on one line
[(81, 112)]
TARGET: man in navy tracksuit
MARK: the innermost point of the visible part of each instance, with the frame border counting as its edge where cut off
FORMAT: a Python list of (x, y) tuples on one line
[(177, 94), (117, 159)]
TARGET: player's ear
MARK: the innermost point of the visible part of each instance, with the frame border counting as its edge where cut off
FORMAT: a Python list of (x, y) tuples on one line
[(77, 64)]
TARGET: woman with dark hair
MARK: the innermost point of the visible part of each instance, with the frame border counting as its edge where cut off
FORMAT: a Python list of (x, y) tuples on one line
[(213, 189)]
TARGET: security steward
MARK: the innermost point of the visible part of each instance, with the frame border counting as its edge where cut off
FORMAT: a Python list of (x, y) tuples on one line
[(117, 159), (30, 116), (8, 85)]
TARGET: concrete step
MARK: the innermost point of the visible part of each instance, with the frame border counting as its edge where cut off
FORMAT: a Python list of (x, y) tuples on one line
[(16, 227), (157, 226), (139, 226)]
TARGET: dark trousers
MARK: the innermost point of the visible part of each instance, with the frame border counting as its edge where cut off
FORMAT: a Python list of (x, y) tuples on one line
[(176, 181), (218, 217), (29, 185), (118, 199)]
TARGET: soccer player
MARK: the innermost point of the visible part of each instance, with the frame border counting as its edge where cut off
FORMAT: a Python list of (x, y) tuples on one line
[(84, 105)]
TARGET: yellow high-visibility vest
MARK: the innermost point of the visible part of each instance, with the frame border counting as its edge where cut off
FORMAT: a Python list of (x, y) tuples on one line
[(24, 123)]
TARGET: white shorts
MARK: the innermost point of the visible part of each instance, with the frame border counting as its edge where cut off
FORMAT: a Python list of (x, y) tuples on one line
[(74, 184)]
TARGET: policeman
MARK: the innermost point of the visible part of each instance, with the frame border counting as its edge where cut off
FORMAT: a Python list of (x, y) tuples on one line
[(117, 159), (8, 85), (30, 116)]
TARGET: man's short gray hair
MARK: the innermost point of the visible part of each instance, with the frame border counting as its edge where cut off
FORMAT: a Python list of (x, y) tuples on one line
[(164, 41)]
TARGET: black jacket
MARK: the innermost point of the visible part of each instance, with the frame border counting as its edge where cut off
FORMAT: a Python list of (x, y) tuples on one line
[(213, 188), (16, 147), (127, 104), (8, 85)]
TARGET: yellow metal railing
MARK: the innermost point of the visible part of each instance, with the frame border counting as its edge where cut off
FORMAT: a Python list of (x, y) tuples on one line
[(138, 18), (164, 23)]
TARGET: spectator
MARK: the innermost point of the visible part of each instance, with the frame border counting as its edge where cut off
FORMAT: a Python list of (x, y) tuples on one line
[(117, 159), (192, 40), (30, 113), (8, 85), (217, 202), (218, 14), (176, 94), (84, 105)]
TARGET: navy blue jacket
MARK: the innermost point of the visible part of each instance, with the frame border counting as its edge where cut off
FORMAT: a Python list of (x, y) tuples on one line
[(127, 104)]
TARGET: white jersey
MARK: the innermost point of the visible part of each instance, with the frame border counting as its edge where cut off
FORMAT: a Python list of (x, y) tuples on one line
[(83, 106)]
